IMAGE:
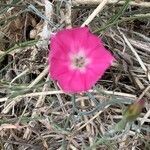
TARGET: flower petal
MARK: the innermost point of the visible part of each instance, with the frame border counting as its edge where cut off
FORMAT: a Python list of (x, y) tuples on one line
[(57, 68), (73, 82)]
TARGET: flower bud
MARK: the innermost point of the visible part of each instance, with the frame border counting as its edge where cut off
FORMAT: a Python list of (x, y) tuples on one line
[(134, 110)]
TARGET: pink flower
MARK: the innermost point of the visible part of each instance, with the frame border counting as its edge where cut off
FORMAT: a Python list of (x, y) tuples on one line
[(77, 59)]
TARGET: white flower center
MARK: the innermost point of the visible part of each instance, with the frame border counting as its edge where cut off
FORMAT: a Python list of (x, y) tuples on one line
[(79, 61)]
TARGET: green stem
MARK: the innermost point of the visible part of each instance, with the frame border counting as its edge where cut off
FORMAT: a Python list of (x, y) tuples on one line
[(120, 125)]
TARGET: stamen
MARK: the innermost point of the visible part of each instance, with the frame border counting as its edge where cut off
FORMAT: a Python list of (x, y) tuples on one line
[(79, 61)]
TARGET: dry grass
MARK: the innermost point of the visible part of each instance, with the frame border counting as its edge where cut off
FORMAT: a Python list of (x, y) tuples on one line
[(35, 114)]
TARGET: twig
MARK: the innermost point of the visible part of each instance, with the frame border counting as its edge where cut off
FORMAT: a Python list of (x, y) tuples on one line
[(43, 74), (88, 128), (89, 121), (39, 104), (144, 92), (68, 14), (18, 76), (145, 118), (61, 92), (95, 12), (95, 2), (140, 44), (136, 55)]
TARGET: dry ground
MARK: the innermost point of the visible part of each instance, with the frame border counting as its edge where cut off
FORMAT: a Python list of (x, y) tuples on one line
[(35, 114)]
